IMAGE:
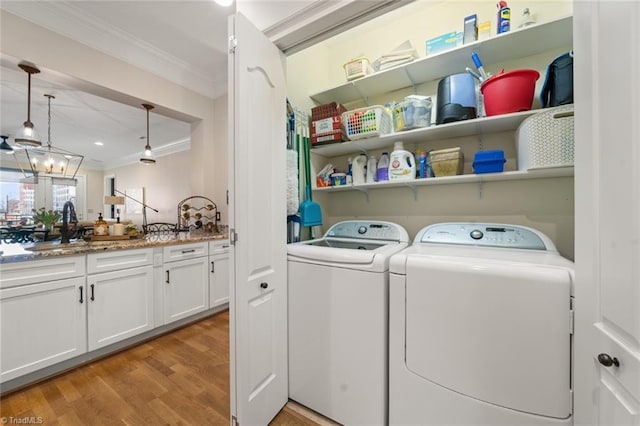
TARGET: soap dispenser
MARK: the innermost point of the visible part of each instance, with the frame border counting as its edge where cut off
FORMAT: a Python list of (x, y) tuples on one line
[(100, 227)]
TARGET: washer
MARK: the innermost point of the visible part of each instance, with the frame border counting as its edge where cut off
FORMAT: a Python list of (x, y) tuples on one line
[(338, 320), (481, 324)]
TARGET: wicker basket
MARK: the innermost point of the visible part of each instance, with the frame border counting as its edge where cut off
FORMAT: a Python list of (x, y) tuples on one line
[(546, 139), (367, 122)]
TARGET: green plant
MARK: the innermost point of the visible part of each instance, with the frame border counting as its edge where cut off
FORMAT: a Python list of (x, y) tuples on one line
[(46, 217), (130, 228)]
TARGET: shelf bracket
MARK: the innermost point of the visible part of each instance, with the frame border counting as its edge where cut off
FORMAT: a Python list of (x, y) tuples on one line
[(362, 95), (413, 83), (365, 191), (414, 190)]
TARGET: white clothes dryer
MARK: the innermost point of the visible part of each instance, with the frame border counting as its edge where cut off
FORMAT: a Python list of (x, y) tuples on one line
[(481, 324), (338, 320)]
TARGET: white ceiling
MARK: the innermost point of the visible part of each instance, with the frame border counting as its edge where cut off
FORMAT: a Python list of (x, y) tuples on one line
[(184, 41)]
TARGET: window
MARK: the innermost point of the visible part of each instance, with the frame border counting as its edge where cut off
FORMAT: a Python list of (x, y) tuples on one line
[(20, 195)]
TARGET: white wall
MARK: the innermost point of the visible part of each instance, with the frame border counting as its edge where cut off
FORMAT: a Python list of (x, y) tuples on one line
[(545, 204)]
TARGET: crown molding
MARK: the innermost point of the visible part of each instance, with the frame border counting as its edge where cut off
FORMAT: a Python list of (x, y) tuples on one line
[(69, 20)]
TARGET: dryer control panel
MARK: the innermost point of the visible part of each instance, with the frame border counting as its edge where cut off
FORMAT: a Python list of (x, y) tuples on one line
[(368, 230), (485, 235)]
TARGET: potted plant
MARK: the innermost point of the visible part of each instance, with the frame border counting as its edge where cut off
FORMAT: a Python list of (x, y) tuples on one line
[(48, 218), (131, 230)]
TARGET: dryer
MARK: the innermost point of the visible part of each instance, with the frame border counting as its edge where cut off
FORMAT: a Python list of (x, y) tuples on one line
[(481, 324), (338, 289)]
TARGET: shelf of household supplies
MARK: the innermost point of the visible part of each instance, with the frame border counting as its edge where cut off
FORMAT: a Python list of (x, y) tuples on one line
[(515, 44), (476, 126), (543, 173)]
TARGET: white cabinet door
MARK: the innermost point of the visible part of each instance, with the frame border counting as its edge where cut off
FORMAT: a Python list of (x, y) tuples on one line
[(120, 305), (42, 324), (607, 134), (257, 212), (186, 288), (219, 279)]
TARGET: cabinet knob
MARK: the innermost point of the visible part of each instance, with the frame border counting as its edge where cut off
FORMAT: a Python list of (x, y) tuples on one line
[(264, 285), (607, 361)]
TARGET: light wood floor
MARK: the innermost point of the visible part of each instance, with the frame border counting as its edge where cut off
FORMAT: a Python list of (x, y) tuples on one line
[(181, 378)]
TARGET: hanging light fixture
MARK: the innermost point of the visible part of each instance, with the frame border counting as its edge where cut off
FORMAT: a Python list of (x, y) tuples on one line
[(147, 158), (4, 146), (51, 160), (27, 135)]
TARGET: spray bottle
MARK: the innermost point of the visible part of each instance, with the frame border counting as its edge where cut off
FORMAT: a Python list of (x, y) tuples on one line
[(504, 17)]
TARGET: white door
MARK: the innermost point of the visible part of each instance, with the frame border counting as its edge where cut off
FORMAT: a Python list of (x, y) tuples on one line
[(607, 295), (257, 213)]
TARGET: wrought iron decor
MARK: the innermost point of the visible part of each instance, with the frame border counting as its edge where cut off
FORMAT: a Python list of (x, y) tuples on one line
[(199, 214)]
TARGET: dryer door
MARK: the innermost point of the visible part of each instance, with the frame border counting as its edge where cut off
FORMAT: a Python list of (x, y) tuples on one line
[(497, 332)]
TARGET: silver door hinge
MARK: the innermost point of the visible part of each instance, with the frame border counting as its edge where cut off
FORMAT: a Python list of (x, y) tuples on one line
[(572, 318), (233, 43), (234, 421), (233, 236)]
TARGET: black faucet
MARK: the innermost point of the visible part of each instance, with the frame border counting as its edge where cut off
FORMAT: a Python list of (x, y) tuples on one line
[(68, 217)]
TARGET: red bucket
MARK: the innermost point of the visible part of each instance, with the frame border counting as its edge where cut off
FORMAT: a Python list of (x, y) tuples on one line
[(510, 91)]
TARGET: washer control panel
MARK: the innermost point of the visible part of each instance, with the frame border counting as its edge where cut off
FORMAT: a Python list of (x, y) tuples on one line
[(370, 230), (485, 235)]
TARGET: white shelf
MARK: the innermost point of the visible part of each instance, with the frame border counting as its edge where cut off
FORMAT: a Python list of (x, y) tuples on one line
[(477, 126), (545, 173), (518, 43)]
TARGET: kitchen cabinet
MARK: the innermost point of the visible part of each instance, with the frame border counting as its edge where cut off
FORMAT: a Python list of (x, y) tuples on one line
[(517, 44), (219, 273), (43, 319), (186, 280), (119, 297)]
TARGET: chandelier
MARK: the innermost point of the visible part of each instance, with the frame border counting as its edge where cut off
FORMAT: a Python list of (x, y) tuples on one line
[(49, 160)]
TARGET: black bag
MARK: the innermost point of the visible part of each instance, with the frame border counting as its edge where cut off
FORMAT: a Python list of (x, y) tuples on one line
[(558, 85)]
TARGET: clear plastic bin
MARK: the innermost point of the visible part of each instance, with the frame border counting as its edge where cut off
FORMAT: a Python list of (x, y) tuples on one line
[(414, 112)]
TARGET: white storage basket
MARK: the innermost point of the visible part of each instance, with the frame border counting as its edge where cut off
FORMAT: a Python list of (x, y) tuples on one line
[(367, 122), (546, 139)]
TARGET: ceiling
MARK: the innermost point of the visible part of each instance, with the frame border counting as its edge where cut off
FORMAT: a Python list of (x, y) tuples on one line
[(149, 34), (183, 41)]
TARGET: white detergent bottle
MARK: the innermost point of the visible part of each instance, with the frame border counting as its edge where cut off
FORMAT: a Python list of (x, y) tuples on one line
[(402, 164), (372, 169), (358, 166)]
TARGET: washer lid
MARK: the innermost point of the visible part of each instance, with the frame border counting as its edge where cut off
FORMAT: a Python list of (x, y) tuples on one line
[(485, 235)]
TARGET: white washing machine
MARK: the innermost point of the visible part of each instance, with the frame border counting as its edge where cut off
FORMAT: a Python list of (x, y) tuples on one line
[(338, 320), (481, 326)]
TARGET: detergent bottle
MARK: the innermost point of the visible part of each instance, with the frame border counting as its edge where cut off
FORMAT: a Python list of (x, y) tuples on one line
[(383, 167), (372, 169), (402, 165), (358, 166)]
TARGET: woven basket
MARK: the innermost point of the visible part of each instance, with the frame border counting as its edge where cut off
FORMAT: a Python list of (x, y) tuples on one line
[(546, 139)]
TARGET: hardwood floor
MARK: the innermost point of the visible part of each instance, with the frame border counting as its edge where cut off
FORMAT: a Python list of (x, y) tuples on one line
[(181, 378)]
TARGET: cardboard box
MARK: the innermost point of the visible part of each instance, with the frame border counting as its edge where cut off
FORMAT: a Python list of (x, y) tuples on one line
[(327, 138), (444, 42), (326, 125)]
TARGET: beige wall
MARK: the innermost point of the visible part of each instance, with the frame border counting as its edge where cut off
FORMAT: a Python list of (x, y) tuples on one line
[(545, 204), (62, 59)]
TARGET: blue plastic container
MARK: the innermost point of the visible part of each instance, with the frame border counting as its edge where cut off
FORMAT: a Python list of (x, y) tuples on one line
[(489, 161)]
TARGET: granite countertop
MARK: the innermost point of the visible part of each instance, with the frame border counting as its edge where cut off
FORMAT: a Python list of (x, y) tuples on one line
[(35, 251)]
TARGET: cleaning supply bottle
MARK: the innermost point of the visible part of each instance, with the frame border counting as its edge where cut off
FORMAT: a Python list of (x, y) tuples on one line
[(349, 171), (372, 169), (358, 168), (383, 167), (504, 17), (402, 164), (423, 164)]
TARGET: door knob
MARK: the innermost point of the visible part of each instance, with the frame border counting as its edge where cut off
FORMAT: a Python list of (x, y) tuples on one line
[(607, 361), (264, 285)]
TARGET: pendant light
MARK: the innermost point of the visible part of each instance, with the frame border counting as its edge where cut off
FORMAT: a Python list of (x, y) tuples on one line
[(51, 160), (27, 136), (4, 146), (147, 157)]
